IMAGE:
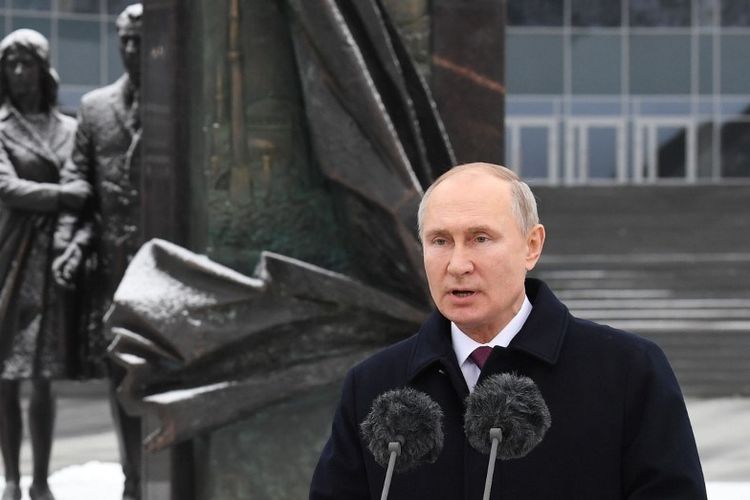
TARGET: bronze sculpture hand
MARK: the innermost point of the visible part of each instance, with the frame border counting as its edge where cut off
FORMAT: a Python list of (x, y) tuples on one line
[(65, 267)]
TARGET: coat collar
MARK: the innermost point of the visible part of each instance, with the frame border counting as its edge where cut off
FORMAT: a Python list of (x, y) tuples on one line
[(541, 336), (20, 131), (544, 331)]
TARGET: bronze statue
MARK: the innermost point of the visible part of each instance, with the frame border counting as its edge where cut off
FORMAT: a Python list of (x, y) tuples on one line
[(205, 348), (106, 155), (35, 142)]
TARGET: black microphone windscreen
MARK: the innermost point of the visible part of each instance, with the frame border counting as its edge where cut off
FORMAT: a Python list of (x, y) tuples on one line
[(408, 416), (515, 405)]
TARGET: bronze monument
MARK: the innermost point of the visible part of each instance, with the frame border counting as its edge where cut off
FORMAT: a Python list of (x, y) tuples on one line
[(313, 171), (107, 235), (35, 143)]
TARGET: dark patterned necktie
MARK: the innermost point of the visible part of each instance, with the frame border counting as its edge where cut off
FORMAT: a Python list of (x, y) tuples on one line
[(480, 355)]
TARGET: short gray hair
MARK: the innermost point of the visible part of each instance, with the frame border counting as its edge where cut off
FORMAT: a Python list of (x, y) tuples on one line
[(523, 203)]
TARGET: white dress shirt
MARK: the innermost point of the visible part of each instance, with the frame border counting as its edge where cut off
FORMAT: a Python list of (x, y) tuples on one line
[(463, 345)]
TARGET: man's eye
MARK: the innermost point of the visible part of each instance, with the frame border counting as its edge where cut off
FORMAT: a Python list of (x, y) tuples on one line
[(439, 242), (482, 239)]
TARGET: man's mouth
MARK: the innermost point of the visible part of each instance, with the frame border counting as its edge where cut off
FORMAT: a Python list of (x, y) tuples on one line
[(462, 293)]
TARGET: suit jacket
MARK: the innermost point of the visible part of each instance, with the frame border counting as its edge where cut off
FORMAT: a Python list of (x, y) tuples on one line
[(106, 155), (33, 340), (619, 430), (108, 229)]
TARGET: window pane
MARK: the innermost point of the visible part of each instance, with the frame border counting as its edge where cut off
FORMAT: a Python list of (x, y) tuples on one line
[(705, 156), (596, 12), (534, 64), (707, 11), (735, 13), (706, 57), (535, 12), (705, 105), (43, 26), (596, 106), (68, 99), (671, 156), (602, 153), (535, 106), (659, 12), (639, 135), (507, 138), (659, 107), (660, 64), (534, 152), (80, 6), (79, 52), (735, 150), (735, 78), (31, 4), (117, 6), (734, 107), (596, 64)]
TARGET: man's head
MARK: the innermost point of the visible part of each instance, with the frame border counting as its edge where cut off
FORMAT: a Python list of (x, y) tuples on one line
[(481, 234), (129, 24)]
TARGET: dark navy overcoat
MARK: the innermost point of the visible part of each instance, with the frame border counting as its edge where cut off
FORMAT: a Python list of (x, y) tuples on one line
[(619, 425)]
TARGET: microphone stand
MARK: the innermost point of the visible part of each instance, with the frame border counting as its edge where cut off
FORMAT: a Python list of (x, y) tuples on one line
[(394, 447), (496, 434)]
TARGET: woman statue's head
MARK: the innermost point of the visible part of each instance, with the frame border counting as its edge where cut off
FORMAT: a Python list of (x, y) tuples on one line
[(25, 68)]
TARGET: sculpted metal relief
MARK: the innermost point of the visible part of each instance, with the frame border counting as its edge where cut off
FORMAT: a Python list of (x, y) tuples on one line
[(312, 191)]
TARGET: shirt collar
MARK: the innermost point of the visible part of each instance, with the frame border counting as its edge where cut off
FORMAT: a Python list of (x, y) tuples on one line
[(463, 345), (541, 336)]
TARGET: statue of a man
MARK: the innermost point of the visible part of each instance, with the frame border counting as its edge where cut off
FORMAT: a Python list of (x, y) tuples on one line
[(100, 245)]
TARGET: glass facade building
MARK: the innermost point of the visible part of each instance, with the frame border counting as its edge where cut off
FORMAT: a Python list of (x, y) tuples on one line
[(598, 91), (628, 91), (83, 40)]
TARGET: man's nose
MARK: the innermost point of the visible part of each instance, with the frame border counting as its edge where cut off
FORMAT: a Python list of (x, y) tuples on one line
[(18, 69), (460, 262)]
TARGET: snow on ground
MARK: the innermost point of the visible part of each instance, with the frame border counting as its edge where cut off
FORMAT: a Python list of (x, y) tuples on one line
[(103, 481), (90, 481)]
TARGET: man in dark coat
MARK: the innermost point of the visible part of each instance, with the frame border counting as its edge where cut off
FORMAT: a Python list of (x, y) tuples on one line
[(619, 429), (106, 156)]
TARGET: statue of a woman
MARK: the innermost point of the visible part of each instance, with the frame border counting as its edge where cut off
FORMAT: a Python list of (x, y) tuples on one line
[(35, 142)]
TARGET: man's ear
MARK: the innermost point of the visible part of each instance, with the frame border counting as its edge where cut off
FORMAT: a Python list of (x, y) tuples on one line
[(534, 246)]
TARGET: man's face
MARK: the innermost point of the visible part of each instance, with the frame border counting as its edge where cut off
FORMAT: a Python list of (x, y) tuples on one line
[(130, 50), (21, 72), (475, 254)]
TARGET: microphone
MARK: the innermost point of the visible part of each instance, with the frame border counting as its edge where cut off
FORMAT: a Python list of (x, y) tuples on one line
[(403, 423), (506, 417)]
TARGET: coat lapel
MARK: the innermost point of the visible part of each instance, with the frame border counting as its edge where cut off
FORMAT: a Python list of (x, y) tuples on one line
[(18, 131), (543, 333), (61, 136), (121, 105), (541, 336), (434, 346)]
